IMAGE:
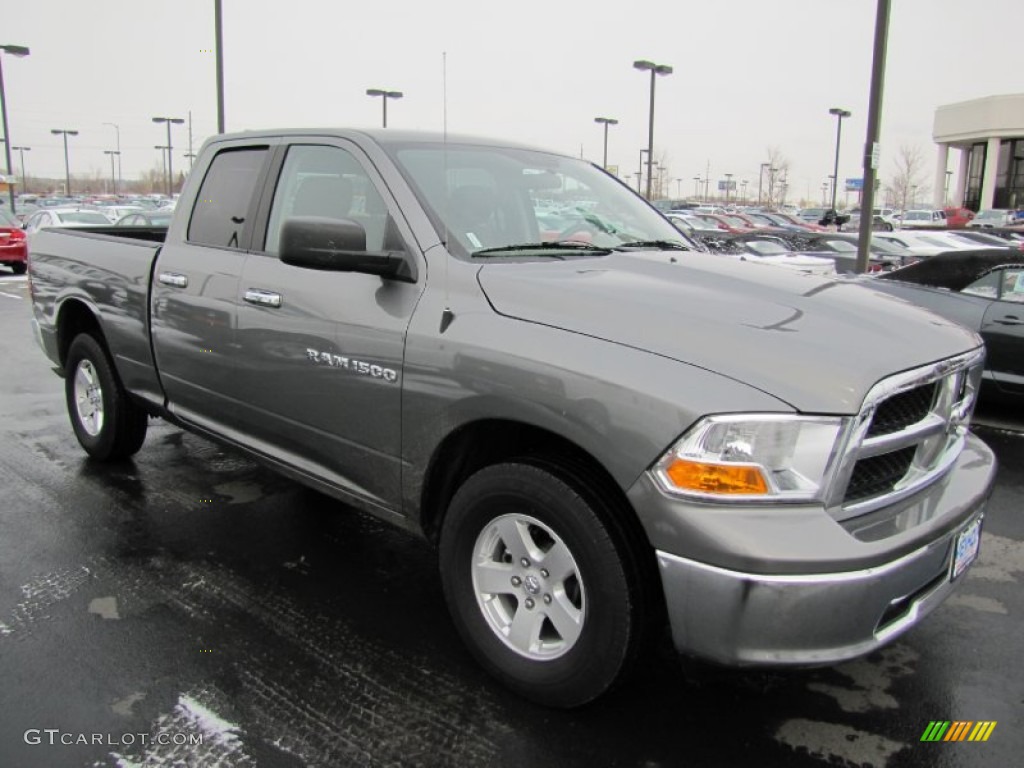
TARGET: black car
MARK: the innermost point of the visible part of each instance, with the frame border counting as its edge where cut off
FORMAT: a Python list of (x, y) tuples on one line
[(983, 290)]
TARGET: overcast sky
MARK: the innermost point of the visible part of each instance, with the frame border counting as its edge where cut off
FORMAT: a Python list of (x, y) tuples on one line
[(749, 75)]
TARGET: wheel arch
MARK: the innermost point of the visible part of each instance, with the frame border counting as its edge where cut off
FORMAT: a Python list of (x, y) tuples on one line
[(482, 443), (73, 318)]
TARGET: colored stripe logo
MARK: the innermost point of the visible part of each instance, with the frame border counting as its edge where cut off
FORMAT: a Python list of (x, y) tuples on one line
[(958, 730)]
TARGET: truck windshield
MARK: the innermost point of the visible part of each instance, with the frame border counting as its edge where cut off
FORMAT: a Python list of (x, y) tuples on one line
[(483, 198)]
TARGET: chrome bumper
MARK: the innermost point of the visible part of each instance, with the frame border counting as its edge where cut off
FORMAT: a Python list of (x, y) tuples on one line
[(742, 618)]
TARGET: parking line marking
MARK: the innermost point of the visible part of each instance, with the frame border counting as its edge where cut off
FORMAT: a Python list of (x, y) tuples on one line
[(11, 295)]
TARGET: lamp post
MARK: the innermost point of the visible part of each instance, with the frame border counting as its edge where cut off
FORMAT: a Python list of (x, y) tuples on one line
[(728, 185), (24, 178), (760, 179), (163, 157), (606, 121), (743, 187), (20, 51), (840, 114), (640, 180), (696, 187), (113, 178), (117, 130), (218, 32), (170, 169), (67, 166), (655, 69), (824, 193), (385, 95)]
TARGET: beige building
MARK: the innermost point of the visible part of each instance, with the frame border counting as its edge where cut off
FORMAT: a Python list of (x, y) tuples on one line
[(989, 135)]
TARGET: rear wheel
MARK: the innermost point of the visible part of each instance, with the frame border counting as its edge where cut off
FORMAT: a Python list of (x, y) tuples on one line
[(540, 589), (106, 422), (19, 267)]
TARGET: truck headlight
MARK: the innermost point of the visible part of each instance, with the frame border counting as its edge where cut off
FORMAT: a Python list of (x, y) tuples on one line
[(753, 457)]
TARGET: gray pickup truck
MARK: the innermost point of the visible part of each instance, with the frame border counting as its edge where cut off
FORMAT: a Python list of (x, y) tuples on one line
[(508, 352)]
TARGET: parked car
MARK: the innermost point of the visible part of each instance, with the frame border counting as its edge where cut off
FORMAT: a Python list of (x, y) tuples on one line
[(841, 247), (923, 218), (116, 212), (13, 244), (994, 217), (63, 217), (957, 218), (925, 244), (159, 217), (600, 434), (981, 290)]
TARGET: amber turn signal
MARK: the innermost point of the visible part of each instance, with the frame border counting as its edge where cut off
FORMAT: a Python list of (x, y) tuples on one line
[(716, 478)]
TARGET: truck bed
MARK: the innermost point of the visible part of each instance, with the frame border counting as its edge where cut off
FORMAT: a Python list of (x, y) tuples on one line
[(108, 271)]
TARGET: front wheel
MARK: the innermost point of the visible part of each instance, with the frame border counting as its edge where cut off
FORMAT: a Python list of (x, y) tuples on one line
[(106, 422), (19, 267), (540, 589)]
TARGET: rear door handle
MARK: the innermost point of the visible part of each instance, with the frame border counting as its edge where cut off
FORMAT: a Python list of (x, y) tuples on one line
[(263, 298), (173, 278), (1009, 320)]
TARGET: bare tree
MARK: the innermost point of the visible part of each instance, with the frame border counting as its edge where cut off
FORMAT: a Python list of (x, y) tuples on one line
[(776, 177), (908, 180)]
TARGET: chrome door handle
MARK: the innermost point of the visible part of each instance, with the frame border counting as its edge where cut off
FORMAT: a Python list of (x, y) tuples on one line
[(263, 298), (173, 278)]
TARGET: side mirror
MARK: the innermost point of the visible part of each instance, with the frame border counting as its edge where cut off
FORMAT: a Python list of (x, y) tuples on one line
[(338, 245)]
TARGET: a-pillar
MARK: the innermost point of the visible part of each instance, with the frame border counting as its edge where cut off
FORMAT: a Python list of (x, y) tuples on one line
[(988, 181)]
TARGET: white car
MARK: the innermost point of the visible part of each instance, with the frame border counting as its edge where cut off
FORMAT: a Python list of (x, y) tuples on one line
[(993, 217), (63, 217), (923, 218), (922, 244), (767, 251), (115, 212)]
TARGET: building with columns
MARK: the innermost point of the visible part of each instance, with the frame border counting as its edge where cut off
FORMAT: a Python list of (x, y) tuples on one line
[(988, 134)]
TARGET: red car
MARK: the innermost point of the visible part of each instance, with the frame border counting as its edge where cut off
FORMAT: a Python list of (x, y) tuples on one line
[(957, 218), (13, 246)]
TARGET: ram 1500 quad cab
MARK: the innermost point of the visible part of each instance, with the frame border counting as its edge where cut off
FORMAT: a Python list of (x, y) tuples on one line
[(508, 352)]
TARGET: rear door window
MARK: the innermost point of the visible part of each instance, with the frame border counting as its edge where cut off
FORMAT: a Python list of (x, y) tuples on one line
[(219, 217)]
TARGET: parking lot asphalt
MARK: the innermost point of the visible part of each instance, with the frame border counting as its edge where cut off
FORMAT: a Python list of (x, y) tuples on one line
[(192, 593)]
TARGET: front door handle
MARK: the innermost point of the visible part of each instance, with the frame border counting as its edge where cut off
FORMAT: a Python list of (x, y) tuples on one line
[(1009, 320), (173, 278), (263, 298)]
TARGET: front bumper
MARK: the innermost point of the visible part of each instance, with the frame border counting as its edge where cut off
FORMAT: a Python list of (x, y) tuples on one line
[(794, 586)]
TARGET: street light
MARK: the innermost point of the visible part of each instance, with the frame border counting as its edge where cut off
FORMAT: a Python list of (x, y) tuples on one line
[(24, 178), (113, 178), (655, 69), (639, 181), (385, 95), (170, 169), (163, 157), (606, 121), (696, 187), (67, 166), (117, 130), (840, 114), (20, 51), (728, 184), (743, 186), (760, 178)]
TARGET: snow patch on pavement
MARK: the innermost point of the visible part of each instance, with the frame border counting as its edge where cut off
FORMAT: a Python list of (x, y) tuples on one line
[(870, 680), (831, 741)]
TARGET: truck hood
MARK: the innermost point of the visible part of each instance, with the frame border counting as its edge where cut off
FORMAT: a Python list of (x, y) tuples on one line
[(818, 344)]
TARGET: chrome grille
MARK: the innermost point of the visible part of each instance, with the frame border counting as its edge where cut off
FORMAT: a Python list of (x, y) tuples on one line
[(909, 431), (902, 410)]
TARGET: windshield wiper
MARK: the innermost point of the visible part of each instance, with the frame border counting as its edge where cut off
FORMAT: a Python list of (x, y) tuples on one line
[(556, 245), (658, 245)]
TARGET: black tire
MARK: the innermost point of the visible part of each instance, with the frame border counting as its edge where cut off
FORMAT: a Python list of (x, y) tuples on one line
[(19, 267), (606, 588), (91, 386)]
